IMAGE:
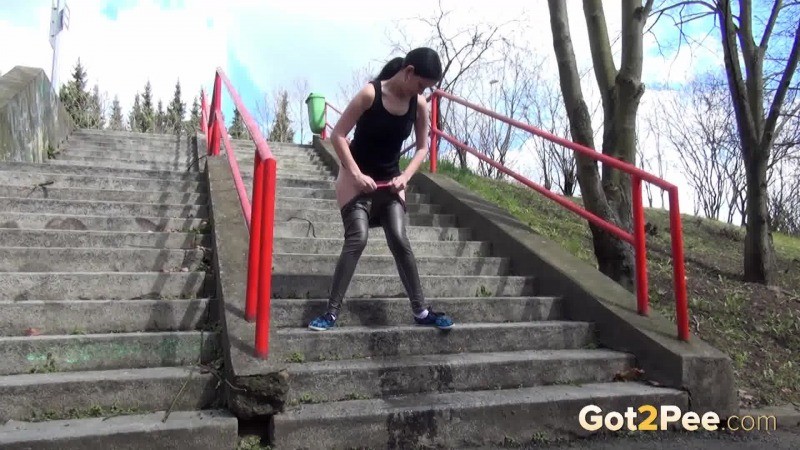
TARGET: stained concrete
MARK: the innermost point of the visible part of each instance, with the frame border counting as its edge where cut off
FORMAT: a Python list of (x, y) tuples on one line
[(32, 119)]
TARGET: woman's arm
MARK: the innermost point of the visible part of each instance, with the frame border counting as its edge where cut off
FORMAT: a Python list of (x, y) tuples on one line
[(421, 132), (360, 103)]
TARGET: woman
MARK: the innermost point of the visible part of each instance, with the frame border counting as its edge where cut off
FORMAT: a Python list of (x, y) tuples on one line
[(383, 113)]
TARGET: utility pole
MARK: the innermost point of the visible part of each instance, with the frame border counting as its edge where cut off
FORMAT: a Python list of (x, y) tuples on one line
[(59, 20)]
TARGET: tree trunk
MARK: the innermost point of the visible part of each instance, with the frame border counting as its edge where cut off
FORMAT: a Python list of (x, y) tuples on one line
[(603, 197), (759, 255)]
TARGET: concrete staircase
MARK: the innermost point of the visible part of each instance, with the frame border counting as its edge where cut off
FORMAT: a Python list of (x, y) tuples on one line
[(513, 370), (105, 335)]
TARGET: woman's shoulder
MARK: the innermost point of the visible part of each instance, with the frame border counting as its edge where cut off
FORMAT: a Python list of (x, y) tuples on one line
[(366, 95)]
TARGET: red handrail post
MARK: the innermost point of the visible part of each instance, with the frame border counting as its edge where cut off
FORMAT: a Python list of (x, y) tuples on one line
[(679, 271), (216, 99), (640, 248), (325, 127), (269, 169), (434, 138), (254, 254)]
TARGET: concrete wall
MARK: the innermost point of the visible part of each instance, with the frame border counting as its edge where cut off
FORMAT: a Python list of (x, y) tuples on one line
[(32, 120)]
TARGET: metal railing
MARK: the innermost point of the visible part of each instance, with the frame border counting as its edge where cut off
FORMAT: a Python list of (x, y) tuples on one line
[(637, 238), (259, 215)]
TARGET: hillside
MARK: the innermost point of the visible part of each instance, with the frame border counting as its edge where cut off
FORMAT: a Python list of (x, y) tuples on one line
[(757, 326)]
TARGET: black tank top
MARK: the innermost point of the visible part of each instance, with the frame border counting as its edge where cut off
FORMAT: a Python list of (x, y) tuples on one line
[(378, 138)]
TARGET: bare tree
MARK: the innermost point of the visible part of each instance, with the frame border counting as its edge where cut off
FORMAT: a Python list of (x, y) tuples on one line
[(699, 124), (655, 160), (299, 93), (621, 89), (463, 51), (558, 163), (757, 93)]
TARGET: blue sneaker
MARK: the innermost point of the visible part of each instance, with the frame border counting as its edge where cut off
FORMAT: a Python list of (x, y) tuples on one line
[(437, 319), (323, 322)]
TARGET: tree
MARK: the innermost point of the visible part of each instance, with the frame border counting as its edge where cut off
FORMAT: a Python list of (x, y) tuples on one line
[(300, 91), (115, 122), (147, 117), (282, 125), (557, 162), (621, 89), (238, 130), (758, 98), (97, 109), (463, 51), (76, 99), (135, 117), (194, 117), (175, 111), (698, 122), (160, 119)]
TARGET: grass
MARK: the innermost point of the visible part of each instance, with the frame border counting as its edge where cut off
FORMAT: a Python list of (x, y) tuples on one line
[(756, 325)]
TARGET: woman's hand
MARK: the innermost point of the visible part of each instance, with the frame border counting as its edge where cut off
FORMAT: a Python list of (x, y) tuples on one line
[(365, 183), (399, 183)]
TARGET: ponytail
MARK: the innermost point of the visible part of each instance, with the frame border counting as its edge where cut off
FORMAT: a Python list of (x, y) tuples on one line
[(390, 69)]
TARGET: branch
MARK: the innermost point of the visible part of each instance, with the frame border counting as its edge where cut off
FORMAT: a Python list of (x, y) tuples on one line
[(780, 94), (600, 47), (773, 17)]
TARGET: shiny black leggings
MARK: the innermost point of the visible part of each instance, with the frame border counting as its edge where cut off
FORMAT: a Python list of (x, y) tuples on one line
[(366, 211)]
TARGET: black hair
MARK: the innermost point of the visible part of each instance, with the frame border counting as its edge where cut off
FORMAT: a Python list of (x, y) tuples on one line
[(425, 61)]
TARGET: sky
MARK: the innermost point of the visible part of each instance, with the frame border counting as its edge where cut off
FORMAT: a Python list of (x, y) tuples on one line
[(262, 45)]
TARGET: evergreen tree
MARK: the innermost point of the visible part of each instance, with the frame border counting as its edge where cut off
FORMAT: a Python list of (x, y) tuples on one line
[(96, 110), (161, 118), (76, 98), (282, 126), (135, 117), (194, 117), (237, 129), (147, 118), (176, 111), (115, 122)]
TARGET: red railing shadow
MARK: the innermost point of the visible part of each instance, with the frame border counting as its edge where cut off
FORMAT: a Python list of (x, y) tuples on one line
[(637, 238), (259, 215)]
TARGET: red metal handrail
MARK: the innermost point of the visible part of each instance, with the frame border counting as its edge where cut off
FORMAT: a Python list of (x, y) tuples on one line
[(324, 134), (637, 238), (259, 215)]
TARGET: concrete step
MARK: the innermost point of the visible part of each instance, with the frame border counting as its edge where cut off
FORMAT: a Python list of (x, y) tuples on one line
[(101, 316), (324, 246), (460, 419), (137, 147), (90, 133), (21, 286), (324, 217), (54, 396), (300, 228), (116, 164), (285, 158), (314, 264), (396, 311), (49, 259), (331, 205), (73, 353), (359, 342), (89, 153), (58, 193), (99, 239), (184, 430), (148, 141), (100, 208), (16, 168), (285, 285), (94, 181), (98, 223), (322, 381), (330, 194), (283, 182)]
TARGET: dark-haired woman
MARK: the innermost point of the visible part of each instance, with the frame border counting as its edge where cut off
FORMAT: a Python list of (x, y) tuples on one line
[(383, 114)]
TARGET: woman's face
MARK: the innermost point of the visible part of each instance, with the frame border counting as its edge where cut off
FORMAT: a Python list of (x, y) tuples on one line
[(416, 84)]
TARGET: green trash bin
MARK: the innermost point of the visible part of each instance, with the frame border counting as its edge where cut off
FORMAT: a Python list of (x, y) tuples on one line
[(316, 112)]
